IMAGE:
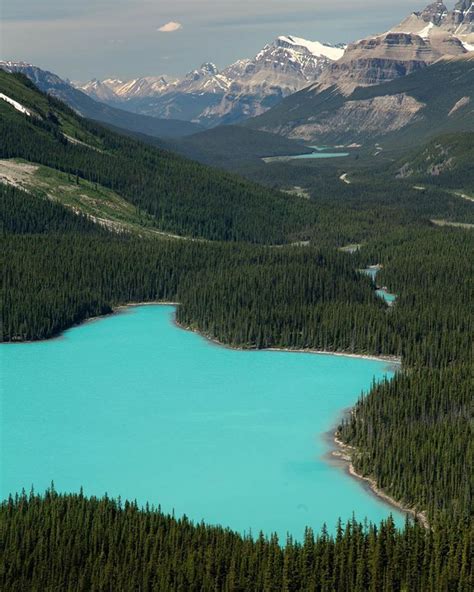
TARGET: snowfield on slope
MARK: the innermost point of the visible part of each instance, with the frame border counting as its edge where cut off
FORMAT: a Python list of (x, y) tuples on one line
[(18, 106)]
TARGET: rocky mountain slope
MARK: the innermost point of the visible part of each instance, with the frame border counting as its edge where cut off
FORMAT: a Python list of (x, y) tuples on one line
[(418, 41), (433, 100), (446, 160), (436, 17), (98, 111), (250, 87), (336, 109), (244, 89)]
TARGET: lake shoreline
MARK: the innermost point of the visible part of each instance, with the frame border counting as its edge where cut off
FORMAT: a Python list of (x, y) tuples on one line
[(342, 453), (120, 308), (395, 360)]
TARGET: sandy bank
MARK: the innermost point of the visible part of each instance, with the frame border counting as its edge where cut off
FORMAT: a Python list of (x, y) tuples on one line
[(395, 360), (343, 453)]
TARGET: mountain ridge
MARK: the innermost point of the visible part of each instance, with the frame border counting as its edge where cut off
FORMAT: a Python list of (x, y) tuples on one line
[(211, 96), (98, 111), (249, 87), (176, 196), (433, 100)]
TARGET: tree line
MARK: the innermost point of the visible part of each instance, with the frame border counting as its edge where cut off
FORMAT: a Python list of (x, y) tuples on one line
[(77, 544)]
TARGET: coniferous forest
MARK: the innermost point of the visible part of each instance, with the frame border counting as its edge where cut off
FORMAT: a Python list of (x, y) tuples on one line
[(74, 544), (243, 276)]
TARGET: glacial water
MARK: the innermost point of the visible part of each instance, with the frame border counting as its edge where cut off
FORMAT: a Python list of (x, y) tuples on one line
[(133, 406), (381, 292), (319, 154), (387, 296)]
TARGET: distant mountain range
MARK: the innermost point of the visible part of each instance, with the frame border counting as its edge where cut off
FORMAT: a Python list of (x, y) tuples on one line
[(303, 90), (250, 87), (418, 41), (206, 95), (401, 86), (99, 111)]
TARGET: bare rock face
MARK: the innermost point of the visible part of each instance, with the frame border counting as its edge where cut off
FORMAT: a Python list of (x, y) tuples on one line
[(461, 19), (436, 19), (461, 104), (379, 59), (356, 119), (434, 13), (280, 69), (388, 56)]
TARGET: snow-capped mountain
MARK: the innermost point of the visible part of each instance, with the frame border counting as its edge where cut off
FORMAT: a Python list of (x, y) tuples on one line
[(418, 41), (245, 88), (363, 95), (278, 70), (436, 20), (115, 90)]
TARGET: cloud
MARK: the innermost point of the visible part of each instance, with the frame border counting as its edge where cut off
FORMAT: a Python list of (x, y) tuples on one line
[(170, 27)]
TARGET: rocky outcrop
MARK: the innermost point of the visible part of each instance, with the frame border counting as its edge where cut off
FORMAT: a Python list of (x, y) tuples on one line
[(436, 19), (461, 104), (358, 119), (434, 99), (435, 13), (387, 57), (461, 19)]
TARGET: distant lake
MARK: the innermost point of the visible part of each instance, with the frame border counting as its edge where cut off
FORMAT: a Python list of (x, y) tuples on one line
[(320, 152), (389, 298), (134, 406), (381, 292)]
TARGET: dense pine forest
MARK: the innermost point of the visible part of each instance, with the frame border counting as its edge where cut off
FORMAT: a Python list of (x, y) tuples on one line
[(250, 282), (74, 544)]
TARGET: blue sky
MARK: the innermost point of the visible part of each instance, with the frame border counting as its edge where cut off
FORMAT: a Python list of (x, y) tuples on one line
[(82, 39)]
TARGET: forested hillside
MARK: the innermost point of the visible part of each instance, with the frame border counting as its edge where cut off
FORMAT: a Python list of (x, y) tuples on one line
[(446, 161), (412, 436), (183, 197)]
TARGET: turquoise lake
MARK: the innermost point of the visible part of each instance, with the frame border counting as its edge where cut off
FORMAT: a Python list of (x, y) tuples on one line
[(134, 406), (318, 155)]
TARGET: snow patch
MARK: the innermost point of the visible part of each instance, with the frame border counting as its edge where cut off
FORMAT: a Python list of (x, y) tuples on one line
[(459, 105), (18, 106), (314, 47), (425, 33)]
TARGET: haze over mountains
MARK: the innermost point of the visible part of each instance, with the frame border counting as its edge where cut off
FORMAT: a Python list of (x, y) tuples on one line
[(97, 110), (249, 87), (244, 89), (302, 90), (403, 85)]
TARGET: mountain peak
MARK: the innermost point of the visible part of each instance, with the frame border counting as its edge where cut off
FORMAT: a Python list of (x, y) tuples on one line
[(206, 70), (315, 48), (209, 69), (434, 13)]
